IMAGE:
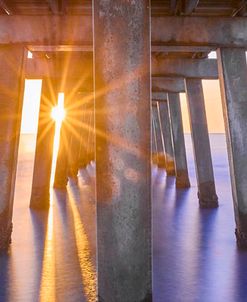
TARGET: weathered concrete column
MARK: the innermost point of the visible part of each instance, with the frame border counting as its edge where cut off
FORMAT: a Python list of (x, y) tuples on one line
[(167, 136), (160, 155), (11, 95), (62, 166), (182, 177), (40, 196), (233, 83), (84, 157), (201, 145), (122, 87)]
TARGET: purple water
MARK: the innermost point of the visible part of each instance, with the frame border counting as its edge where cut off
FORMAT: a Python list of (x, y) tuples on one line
[(194, 252)]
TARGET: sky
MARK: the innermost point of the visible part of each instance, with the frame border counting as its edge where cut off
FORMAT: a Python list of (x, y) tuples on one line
[(30, 109), (212, 98), (213, 107), (211, 94)]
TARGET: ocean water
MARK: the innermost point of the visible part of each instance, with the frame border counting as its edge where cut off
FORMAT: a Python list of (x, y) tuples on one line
[(52, 256)]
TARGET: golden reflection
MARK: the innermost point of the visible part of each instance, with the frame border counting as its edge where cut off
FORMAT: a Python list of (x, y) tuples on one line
[(87, 268), (48, 278), (74, 123), (76, 126)]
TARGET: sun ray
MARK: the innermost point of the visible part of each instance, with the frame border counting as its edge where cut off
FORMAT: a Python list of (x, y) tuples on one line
[(48, 279), (88, 271)]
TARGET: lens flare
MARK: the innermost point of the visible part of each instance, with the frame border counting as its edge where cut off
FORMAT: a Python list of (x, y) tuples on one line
[(58, 113)]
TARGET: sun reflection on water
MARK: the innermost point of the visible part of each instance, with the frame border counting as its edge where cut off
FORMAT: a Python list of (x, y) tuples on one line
[(88, 271), (48, 278)]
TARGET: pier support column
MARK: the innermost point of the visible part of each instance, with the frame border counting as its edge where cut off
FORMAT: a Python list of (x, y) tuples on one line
[(61, 172), (75, 137), (233, 83), (62, 164), (160, 155), (182, 177), (91, 138), (167, 136), (86, 136), (201, 145), (122, 87), (81, 137), (66, 158), (40, 196), (11, 97)]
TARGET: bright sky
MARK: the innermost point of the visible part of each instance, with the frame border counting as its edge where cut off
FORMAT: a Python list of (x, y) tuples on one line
[(212, 97), (211, 93), (213, 106), (31, 102)]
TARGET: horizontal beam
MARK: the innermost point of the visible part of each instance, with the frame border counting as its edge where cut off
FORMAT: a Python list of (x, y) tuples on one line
[(77, 68), (89, 47), (54, 5), (178, 49), (61, 48), (46, 30), (5, 7), (166, 31), (159, 96), (39, 68), (186, 68), (200, 31), (163, 84)]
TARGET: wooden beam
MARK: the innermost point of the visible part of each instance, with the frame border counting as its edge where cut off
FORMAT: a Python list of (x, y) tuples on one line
[(54, 6), (240, 10), (186, 68), (190, 6), (175, 6), (6, 7), (64, 6)]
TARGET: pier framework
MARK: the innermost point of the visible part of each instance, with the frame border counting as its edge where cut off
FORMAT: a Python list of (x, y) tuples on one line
[(121, 66)]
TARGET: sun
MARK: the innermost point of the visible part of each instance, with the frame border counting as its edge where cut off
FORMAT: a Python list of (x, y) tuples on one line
[(58, 113)]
